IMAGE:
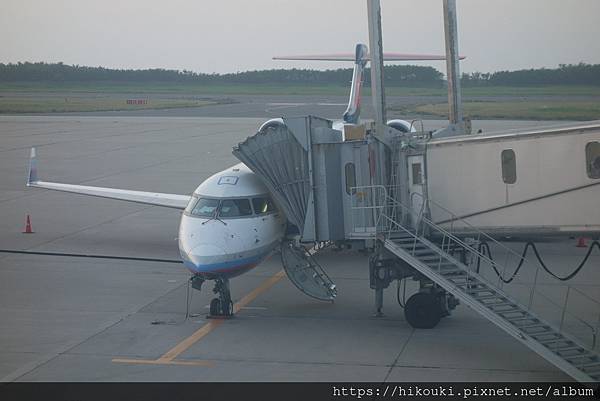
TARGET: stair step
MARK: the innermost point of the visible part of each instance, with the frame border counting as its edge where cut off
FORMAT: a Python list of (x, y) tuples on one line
[(492, 301), (402, 240), (588, 365), (411, 243), (468, 279), (557, 339), (511, 307), (501, 304), (553, 345), (586, 355), (493, 295), (424, 252), (442, 263), (567, 349), (430, 258), (535, 324), (593, 371), (520, 319), (474, 291), (445, 267), (537, 330), (450, 274)]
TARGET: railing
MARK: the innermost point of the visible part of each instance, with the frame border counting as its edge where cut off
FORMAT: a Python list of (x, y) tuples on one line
[(374, 205), (368, 206)]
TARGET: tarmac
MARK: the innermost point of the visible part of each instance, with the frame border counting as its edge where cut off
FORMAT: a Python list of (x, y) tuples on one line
[(84, 319)]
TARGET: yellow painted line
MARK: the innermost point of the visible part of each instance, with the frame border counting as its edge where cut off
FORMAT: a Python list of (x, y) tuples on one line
[(169, 356), (159, 362), (258, 290), (191, 340)]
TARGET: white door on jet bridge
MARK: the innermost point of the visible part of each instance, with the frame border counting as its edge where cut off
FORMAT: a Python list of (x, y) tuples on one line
[(416, 180), (355, 169)]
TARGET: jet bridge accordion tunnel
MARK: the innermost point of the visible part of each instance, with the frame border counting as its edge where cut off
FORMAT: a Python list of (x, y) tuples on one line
[(312, 170)]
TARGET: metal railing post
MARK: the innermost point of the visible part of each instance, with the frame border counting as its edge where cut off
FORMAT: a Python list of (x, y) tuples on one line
[(531, 293), (562, 318)]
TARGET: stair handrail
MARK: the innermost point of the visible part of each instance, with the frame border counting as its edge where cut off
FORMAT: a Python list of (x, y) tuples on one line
[(479, 232), (422, 218)]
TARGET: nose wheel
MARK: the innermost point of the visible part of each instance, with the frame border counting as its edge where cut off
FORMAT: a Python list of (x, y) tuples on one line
[(221, 306)]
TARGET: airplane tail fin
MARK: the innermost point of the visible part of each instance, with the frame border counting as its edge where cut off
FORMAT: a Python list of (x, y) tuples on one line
[(352, 112)]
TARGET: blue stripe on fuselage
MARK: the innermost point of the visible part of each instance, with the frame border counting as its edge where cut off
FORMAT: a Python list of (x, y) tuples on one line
[(229, 267)]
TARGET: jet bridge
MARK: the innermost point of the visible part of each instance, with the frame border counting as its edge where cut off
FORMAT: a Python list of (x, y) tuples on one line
[(338, 187), (311, 170)]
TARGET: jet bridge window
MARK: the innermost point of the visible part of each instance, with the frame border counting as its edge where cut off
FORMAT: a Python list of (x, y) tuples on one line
[(263, 205), (235, 208), (350, 172), (592, 159), (204, 207), (509, 166), (417, 176)]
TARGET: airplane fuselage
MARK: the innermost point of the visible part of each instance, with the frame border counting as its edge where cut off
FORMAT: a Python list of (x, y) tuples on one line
[(230, 225)]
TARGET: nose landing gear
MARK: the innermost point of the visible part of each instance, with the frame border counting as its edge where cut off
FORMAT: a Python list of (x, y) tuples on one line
[(221, 306)]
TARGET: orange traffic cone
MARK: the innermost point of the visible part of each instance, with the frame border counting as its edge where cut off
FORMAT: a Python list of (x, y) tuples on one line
[(28, 229), (581, 243)]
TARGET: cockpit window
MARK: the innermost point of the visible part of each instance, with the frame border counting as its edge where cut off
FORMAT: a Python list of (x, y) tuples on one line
[(191, 204), (263, 205), (205, 207), (235, 208)]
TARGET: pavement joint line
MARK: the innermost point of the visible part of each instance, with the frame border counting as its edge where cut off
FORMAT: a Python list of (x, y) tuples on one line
[(395, 363), (168, 358)]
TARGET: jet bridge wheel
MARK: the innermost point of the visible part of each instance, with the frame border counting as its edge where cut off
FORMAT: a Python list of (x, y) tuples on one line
[(423, 310)]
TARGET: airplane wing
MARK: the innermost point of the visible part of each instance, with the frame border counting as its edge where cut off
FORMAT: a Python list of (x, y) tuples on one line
[(150, 198), (352, 56)]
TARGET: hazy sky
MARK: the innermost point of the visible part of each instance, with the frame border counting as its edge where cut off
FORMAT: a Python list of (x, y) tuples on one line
[(239, 35)]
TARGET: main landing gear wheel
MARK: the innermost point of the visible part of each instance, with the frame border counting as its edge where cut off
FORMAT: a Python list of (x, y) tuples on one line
[(423, 310)]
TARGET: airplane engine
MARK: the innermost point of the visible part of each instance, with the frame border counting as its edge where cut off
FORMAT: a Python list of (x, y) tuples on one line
[(272, 123), (401, 125)]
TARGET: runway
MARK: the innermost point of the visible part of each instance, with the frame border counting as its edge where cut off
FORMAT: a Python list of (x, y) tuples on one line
[(82, 319)]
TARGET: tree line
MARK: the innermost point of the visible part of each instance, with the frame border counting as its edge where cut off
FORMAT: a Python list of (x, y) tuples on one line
[(565, 74), (396, 75), (59, 72)]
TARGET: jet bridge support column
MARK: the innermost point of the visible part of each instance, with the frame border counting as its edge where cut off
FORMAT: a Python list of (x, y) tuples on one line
[(457, 126), (376, 45)]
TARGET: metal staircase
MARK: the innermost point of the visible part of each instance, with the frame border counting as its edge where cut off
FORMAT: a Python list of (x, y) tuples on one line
[(427, 248)]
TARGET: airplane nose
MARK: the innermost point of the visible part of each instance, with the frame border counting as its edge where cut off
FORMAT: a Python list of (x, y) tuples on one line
[(206, 254)]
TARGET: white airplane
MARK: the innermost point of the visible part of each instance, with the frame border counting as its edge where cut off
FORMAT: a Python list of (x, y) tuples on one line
[(230, 224)]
